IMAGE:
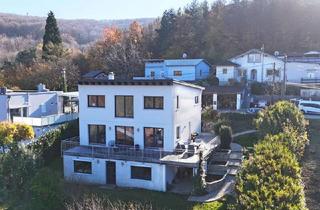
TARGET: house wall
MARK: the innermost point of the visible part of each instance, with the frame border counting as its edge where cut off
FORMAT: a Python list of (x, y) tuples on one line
[(157, 68), (296, 71), (188, 72), (142, 118), (261, 67), (3, 108), (168, 118), (204, 68), (224, 78), (123, 173), (188, 115)]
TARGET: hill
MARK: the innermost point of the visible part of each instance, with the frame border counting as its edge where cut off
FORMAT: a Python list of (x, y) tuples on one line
[(19, 32)]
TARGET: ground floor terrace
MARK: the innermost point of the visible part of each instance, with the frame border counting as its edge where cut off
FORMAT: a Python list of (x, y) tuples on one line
[(134, 167)]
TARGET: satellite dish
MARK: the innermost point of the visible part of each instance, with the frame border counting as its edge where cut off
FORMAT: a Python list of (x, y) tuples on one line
[(276, 53), (184, 55)]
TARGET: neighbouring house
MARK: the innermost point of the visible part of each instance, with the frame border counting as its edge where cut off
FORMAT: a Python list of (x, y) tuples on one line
[(299, 72), (227, 72), (258, 66), (179, 69), (224, 97), (42, 109), (137, 133)]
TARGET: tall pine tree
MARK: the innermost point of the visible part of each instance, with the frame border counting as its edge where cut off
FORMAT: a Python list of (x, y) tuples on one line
[(52, 42)]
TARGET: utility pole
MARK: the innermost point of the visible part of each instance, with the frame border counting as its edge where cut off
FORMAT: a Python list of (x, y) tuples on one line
[(273, 82), (65, 88), (284, 81)]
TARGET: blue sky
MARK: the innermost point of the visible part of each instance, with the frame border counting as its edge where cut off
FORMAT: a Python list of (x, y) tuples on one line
[(92, 9)]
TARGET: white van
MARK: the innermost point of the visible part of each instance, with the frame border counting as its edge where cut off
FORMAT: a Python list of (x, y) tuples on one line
[(309, 107)]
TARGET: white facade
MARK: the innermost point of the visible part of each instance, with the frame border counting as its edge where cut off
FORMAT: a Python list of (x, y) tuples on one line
[(225, 73), (181, 108), (181, 69), (297, 71), (258, 66)]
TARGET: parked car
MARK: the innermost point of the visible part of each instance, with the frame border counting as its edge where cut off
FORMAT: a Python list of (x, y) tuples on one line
[(309, 107), (253, 110)]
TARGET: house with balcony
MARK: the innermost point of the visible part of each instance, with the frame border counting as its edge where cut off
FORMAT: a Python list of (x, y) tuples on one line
[(42, 109), (178, 69), (137, 133)]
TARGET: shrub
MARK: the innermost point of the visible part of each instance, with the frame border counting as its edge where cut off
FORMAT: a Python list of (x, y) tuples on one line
[(209, 115), (46, 190), (271, 179), (225, 136), (96, 202), (293, 140), (199, 180), (48, 145), (275, 118), (217, 126)]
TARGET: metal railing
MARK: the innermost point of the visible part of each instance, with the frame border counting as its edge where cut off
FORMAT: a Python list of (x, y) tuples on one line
[(310, 80), (72, 147)]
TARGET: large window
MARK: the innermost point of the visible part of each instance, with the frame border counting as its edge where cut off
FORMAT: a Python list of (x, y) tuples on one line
[(151, 102), (124, 135), (124, 106), (177, 73), (97, 134), (83, 167), (138, 172), (153, 137), (254, 58), (96, 101), (270, 72)]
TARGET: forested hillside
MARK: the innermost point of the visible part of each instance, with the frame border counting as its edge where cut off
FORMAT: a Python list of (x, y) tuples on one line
[(212, 31), (18, 32)]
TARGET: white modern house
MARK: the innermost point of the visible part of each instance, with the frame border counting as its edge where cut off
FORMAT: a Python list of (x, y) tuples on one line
[(136, 133), (179, 69), (228, 71), (42, 109)]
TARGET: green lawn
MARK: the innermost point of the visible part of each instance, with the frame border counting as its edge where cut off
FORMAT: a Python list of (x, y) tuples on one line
[(247, 140), (311, 166)]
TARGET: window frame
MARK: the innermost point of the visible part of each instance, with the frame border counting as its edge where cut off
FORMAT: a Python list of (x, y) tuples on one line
[(97, 134), (97, 100), (124, 106), (225, 71), (177, 102), (154, 143), (177, 73), (76, 170), (125, 132), (196, 99), (178, 132), (153, 102), (145, 175)]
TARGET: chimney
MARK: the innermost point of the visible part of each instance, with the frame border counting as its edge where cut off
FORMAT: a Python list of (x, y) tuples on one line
[(110, 76), (42, 88), (3, 90)]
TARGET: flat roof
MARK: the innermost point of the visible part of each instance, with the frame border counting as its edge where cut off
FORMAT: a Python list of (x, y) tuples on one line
[(137, 82)]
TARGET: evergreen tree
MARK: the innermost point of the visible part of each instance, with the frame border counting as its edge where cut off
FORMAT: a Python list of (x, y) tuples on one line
[(52, 42)]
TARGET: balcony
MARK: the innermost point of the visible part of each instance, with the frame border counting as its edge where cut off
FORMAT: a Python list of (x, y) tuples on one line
[(310, 80), (47, 120), (72, 147), (187, 157)]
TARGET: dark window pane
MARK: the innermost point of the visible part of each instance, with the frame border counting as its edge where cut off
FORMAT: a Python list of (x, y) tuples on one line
[(129, 106), (120, 106), (96, 101), (97, 134), (140, 173), (148, 102), (153, 137), (82, 167), (158, 102), (124, 135)]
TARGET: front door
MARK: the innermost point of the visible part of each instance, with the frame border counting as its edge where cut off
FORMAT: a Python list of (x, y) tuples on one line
[(111, 172)]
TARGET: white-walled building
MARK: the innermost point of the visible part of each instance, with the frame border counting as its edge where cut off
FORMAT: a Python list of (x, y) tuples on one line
[(178, 69), (42, 109), (132, 132), (226, 72)]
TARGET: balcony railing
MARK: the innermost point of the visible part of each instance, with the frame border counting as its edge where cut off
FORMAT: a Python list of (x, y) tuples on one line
[(47, 120), (310, 80), (72, 147)]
